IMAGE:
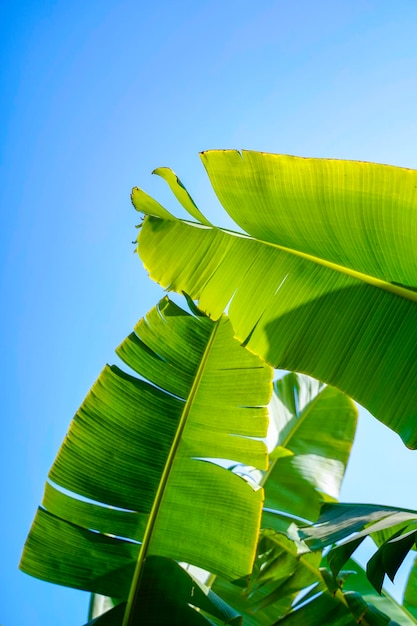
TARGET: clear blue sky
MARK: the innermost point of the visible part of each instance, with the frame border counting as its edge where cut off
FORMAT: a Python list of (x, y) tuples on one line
[(94, 95)]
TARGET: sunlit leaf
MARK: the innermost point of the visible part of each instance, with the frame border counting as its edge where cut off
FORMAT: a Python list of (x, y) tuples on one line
[(137, 463), (315, 427), (325, 280)]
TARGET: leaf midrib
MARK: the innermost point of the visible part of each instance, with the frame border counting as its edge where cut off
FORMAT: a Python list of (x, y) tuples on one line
[(397, 290), (134, 590)]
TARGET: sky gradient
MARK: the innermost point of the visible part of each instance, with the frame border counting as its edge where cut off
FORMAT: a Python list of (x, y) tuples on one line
[(95, 95)]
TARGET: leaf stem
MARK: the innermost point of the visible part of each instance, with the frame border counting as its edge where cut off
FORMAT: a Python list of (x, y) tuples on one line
[(132, 606)]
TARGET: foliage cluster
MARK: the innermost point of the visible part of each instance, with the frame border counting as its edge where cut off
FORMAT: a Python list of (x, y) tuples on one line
[(164, 501)]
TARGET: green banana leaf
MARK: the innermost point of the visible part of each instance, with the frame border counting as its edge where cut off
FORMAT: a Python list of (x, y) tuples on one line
[(348, 600), (325, 609), (312, 431), (273, 596), (157, 613), (340, 520), (279, 575), (168, 595), (315, 427), (134, 476), (357, 521), (325, 280)]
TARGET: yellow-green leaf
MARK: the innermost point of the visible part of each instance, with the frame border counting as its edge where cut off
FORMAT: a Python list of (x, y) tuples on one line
[(324, 280)]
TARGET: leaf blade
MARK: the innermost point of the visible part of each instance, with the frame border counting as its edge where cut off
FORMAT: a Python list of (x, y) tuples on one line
[(112, 487), (346, 328)]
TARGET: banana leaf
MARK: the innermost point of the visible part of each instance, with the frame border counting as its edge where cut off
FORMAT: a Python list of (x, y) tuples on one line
[(357, 521), (325, 609), (315, 427), (168, 595), (278, 576), (287, 587), (135, 475), (348, 600), (323, 279)]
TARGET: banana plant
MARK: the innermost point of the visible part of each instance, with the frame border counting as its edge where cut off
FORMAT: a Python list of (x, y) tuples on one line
[(136, 476), (321, 280), (320, 275)]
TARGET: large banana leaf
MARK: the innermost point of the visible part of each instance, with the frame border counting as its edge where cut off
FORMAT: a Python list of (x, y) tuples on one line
[(134, 476), (315, 427), (325, 281)]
